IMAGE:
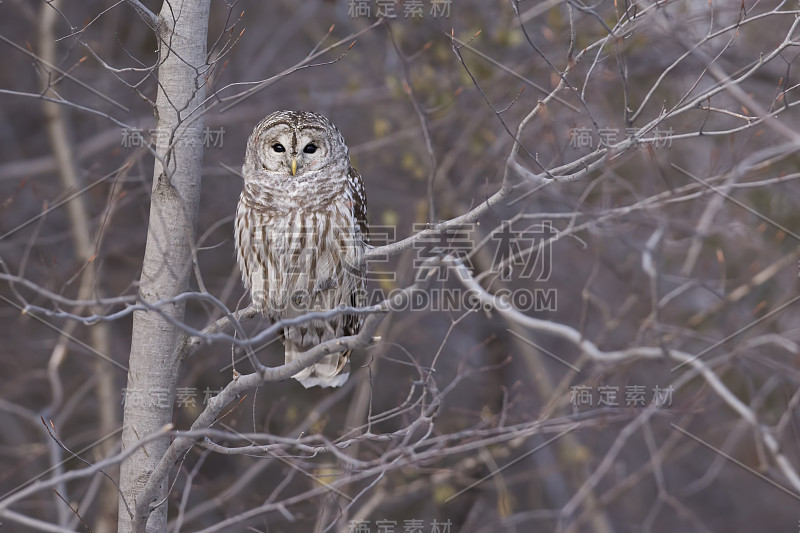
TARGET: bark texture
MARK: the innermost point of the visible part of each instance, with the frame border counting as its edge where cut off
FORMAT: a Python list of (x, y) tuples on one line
[(166, 269)]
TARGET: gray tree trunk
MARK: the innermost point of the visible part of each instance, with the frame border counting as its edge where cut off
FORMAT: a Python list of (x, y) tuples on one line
[(166, 269)]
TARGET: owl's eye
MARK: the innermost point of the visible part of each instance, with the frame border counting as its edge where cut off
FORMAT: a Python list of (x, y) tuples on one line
[(278, 147), (310, 148)]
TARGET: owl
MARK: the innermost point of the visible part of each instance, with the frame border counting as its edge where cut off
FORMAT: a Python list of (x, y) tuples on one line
[(301, 232)]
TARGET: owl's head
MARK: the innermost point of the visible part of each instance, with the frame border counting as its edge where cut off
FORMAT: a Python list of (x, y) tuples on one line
[(294, 145)]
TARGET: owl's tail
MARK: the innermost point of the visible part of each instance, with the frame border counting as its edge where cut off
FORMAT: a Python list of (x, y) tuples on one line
[(330, 371)]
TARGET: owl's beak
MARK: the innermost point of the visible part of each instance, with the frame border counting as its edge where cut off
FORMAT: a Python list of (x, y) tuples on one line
[(294, 166)]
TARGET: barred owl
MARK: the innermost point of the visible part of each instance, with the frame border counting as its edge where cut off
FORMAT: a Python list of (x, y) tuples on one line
[(301, 232)]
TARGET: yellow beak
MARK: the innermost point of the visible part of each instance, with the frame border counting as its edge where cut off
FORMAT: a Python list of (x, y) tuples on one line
[(294, 167)]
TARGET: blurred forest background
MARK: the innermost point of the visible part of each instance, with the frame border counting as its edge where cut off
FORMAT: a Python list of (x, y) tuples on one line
[(652, 385)]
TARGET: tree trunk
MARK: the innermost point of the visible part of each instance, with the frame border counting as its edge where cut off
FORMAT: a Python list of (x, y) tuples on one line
[(166, 269)]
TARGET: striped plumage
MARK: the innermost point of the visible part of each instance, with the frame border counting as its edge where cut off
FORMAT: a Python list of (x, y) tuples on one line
[(301, 232)]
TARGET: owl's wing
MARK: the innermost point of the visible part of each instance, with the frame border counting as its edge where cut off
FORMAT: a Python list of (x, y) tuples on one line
[(359, 193), (352, 323)]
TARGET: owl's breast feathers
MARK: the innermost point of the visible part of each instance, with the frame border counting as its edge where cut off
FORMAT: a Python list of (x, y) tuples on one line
[(304, 258)]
